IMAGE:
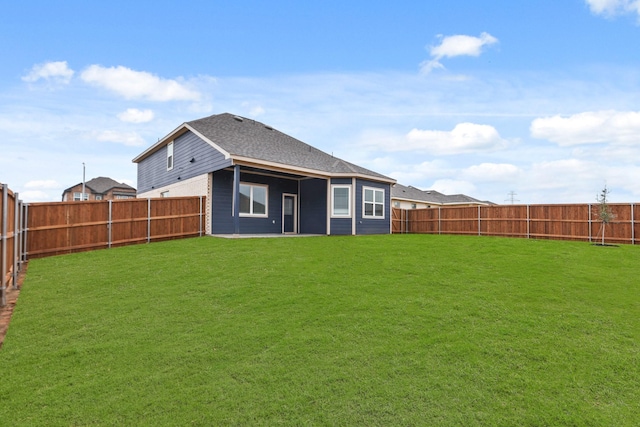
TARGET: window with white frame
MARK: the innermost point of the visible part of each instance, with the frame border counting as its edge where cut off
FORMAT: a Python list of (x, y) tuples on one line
[(170, 156), (373, 202), (78, 196), (341, 201), (253, 199)]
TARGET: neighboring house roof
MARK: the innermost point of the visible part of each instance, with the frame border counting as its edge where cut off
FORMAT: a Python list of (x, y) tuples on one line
[(245, 139), (101, 185), (412, 194)]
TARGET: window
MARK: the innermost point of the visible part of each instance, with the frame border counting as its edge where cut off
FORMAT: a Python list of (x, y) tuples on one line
[(396, 204), (341, 201), (373, 202), (414, 206), (170, 156), (126, 196), (78, 196), (164, 194), (98, 196), (253, 200)]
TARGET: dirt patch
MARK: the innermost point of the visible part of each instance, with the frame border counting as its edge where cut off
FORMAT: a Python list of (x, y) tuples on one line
[(12, 298)]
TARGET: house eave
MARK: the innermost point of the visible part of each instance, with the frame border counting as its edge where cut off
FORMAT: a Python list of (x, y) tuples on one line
[(465, 204), (281, 167), (405, 199)]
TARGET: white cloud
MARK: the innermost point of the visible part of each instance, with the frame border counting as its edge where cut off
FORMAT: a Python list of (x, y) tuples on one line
[(457, 45), (131, 139), (418, 174), (561, 173), (487, 172), (464, 138), (133, 84), (133, 115), (614, 7), (57, 72), (256, 111), (615, 127), (42, 184), (32, 196), (453, 186), (253, 109)]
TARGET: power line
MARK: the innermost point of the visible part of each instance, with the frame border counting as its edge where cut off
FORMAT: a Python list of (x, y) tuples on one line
[(512, 197)]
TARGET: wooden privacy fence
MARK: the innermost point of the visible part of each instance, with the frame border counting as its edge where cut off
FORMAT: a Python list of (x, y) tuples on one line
[(562, 222), (11, 240), (65, 227), (37, 230)]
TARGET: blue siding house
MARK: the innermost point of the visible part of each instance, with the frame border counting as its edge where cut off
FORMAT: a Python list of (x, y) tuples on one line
[(259, 180)]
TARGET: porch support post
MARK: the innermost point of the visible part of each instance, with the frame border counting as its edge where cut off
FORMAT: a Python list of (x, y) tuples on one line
[(329, 206), (236, 199), (353, 207)]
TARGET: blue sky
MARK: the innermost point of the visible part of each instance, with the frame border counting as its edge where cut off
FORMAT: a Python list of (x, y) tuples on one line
[(541, 98)]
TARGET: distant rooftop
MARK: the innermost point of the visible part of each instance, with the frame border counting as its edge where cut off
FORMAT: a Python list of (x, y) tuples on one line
[(101, 185), (413, 194)]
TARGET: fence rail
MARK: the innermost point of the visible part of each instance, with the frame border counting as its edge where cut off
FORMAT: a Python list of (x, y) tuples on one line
[(561, 222)]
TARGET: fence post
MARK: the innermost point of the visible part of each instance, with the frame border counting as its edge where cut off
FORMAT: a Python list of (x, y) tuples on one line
[(3, 246), (405, 214), (439, 221), (15, 241), (20, 230), (25, 253), (528, 223), (200, 219), (109, 223), (589, 207), (479, 232), (633, 227), (148, 220)]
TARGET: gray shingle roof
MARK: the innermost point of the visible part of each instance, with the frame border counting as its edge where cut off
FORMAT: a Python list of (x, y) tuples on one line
[(101, 185), (244, 137), (399, 191)]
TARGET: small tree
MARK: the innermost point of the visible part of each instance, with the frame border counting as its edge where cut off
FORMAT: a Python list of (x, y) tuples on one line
[(604, 213)]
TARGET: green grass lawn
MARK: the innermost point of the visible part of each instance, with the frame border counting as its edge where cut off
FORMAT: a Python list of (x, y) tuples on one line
[(372, 330)]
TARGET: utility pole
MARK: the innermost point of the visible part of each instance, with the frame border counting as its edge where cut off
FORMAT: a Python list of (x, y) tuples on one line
[(512, 197)]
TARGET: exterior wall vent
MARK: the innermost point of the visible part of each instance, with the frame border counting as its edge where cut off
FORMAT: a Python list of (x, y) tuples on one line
[(238, 118)]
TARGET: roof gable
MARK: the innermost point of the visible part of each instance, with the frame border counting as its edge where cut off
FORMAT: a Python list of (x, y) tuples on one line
[(242, 138)]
